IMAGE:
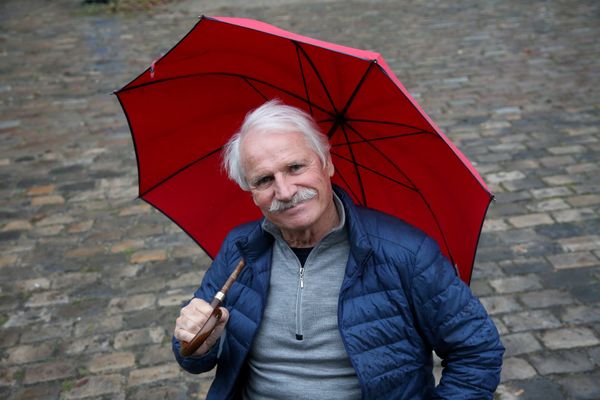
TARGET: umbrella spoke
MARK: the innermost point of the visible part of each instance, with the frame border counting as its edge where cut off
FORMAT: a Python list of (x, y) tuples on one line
[(372, 121), (245, 78), (303, 77), (380, 174), (360, 183), (347, 184), (316, 71), (265, 98), (425, 201), (356, 89), (381, 138), (181, 169)]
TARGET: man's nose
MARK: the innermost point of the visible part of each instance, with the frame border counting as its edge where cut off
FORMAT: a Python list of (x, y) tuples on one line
[(284, 188)]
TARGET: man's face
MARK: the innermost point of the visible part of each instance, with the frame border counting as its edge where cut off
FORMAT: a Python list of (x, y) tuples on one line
[(279, 166)]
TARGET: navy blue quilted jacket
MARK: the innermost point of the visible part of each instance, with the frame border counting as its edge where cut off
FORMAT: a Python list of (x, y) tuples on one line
[(400, 299)]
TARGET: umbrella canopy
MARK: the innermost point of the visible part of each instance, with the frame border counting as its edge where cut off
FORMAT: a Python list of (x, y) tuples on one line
[(387, 152)]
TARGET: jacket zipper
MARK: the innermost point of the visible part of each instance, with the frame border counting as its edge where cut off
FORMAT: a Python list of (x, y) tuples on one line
[(299, 333)]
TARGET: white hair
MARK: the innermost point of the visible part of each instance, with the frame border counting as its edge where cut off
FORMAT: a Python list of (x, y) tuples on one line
[(273, 117)]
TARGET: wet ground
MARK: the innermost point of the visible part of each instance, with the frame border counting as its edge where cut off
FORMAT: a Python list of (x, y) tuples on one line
[(91, 278)]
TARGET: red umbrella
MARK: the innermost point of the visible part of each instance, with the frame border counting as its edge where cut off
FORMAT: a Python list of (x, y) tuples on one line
[(387, 152)]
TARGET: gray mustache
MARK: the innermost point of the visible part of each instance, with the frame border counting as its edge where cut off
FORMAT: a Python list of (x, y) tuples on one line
[(303, 194)]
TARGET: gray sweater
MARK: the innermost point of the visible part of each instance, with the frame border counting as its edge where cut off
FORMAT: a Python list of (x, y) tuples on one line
[(298, 352)]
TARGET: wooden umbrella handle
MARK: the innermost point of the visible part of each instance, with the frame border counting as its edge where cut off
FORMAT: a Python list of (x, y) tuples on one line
[(189, 348)]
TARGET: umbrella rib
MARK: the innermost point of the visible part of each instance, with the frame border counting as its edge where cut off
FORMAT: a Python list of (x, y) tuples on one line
[(229, 74), (303, 77), (357, 88), (371, 121), (188, 165), (411, 188), (382, 138), (255, 89), (354, 162), (348, 186), (385, 157), (314, 68)]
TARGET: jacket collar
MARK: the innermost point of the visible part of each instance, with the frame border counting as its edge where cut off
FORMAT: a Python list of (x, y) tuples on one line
[(360, 245)]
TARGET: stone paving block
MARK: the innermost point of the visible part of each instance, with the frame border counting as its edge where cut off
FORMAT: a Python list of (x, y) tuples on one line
[(580, 243), (545, 298), (45, 332), (41, 190), (88, 344), (74, 279), (523, 221), (500, 304), (574, 260), (516, 284), (174, 298), (548, 205), (545, 193), (17, 225), (29, 353), (581, 314), (47, 200), (47, 390), (516, 368), (49, 372), (131, 303), (568, 338), (153, 374), (537, 388), (29, 317), (189, 279), (584, 200), (127, 245), (80, 227), (561, 362), (520, 343), (531, 320), (84, 252), (9, 337), (135, 337), (173, 391), (31, 285), (504, 176), (582, 386), (94, 386), (9, 377), (8, 260), (135, 210), (145, 256), (156, 354), (47, 298), (578, 214), (111, 362), (99, 324)]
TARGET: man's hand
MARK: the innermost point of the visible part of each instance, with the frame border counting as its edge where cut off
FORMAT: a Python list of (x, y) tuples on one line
[(191, 319)]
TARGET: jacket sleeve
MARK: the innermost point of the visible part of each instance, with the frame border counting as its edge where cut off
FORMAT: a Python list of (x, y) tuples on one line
[(457, 326), (213, 280)]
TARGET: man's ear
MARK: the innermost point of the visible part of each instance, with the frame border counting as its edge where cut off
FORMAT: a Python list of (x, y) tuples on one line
[(330, 167)]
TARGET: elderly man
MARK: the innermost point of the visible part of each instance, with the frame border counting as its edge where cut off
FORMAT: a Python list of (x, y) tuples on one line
[(336, 301)]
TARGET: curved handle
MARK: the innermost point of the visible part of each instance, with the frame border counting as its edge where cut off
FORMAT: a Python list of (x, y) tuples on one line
[(189, 348)]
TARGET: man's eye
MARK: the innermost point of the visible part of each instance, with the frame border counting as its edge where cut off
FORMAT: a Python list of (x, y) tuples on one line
[(264, 181), (296, 167)]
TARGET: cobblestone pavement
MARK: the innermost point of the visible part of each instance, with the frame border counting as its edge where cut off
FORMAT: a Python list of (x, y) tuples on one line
[(91, 278)]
